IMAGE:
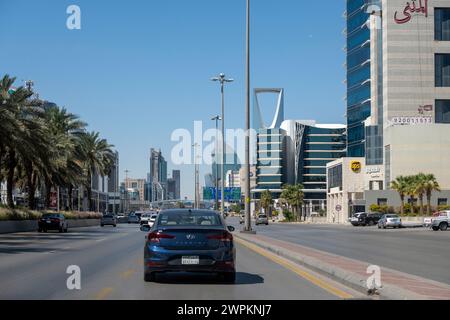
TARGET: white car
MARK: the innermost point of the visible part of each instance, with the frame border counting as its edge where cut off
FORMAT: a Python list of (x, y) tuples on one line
[(153, 219), (441, 222), (149, 218)]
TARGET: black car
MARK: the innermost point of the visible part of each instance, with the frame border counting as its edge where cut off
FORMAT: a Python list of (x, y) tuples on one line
[(52, 221), (365, 219)]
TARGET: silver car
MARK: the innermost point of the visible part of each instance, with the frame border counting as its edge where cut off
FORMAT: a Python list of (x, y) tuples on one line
[(133, 218), (262, 219), (390, 221), (109, 220)]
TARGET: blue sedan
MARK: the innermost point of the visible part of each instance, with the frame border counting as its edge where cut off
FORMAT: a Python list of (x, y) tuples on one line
[(187, 240)]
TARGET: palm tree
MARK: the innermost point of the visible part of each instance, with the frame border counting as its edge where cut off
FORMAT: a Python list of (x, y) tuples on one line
[(14, 124), (411, 182), (419, 189), (293, 196), (400, 185), (98, 158), (430, 184), (266, 200), (66, 168)]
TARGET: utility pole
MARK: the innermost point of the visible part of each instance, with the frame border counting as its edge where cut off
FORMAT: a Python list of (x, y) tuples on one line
[(216, 169), (127, 205), (248, 222), (196, 178)]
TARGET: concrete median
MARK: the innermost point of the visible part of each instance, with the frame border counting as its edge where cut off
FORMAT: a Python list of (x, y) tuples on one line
[(32, 225)]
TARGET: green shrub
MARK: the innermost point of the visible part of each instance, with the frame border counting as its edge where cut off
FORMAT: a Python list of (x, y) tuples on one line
[(288, 216), (25, 214)]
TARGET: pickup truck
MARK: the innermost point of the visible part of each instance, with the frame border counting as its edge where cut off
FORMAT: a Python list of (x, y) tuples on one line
[(441, 221)]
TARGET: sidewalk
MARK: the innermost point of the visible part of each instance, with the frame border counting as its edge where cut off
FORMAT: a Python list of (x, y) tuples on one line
[(395, 284)]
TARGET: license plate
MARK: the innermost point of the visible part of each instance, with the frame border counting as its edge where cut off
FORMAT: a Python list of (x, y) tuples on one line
[(190, 260), (48, 221)]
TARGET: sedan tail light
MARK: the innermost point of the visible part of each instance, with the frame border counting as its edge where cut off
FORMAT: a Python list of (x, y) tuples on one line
[(155, 237), (224, 237)]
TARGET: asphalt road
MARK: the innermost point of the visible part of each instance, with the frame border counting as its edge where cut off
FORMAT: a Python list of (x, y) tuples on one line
[(33, 266), (420, 252)]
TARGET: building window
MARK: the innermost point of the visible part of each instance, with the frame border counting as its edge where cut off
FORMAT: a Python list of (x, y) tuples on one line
[(335, 177), (442, 202), (442, 71), (442, 24), (442, 111), (382, 202)]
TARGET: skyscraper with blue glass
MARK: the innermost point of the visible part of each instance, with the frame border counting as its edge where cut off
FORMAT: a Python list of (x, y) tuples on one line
[(358, 64)]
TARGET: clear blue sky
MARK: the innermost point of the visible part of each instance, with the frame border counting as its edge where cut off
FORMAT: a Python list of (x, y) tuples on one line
[(139, 69)]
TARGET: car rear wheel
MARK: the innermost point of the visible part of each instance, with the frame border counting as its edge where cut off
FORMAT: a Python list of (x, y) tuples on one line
[(435, 228), (149, 277), (443, 226), (229, 277), (40, 230), (371, 223)]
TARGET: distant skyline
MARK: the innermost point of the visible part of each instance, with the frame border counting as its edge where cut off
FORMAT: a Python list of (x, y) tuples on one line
[(138, 70)]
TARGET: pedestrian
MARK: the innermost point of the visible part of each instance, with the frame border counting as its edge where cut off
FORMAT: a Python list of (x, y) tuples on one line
[(333, 217)]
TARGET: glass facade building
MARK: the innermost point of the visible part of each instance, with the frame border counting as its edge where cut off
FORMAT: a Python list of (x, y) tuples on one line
[(315, 147), (270, 173), (358, 66)]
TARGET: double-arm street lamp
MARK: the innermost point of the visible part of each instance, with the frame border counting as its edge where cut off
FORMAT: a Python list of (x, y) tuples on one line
[(222, 80)]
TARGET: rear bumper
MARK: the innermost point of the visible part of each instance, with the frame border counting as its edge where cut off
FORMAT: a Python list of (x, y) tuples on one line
[(49, 226), (220, 260)]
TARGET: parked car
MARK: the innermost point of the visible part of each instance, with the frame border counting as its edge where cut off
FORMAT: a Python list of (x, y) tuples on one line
[(262, 219), (365, 219), (52, 221), (108, 220), (442, 221), (390, 221), (133, 218), (188, 240)]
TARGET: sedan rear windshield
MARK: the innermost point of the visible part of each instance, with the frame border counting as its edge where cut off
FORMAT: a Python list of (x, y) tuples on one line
[(189, 219), (56, 216)]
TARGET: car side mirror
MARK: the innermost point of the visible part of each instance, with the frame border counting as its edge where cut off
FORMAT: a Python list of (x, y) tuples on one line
[(145, 228), (231, 228)]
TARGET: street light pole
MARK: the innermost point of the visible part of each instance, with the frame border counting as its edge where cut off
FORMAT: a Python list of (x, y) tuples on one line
[(248, 223), (222, 79), (196, 178), (216, 118)]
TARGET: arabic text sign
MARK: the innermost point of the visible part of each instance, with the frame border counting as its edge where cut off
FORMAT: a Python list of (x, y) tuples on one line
[(411, 8)]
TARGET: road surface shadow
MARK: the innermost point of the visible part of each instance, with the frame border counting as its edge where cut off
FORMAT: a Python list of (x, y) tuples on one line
[(18, 250), (242, 278)]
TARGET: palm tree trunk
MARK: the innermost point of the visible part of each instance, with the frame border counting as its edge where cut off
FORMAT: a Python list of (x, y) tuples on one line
[(10, 178), (421, 204), (429, 203), (411, 198), (48, 188), (70, 196), (402, 206), (30, 185)]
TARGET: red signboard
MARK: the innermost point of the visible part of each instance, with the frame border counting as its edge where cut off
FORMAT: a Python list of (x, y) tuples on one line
[(411, 8)]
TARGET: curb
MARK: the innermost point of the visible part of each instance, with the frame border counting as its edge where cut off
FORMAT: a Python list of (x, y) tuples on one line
[(349, 279)]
